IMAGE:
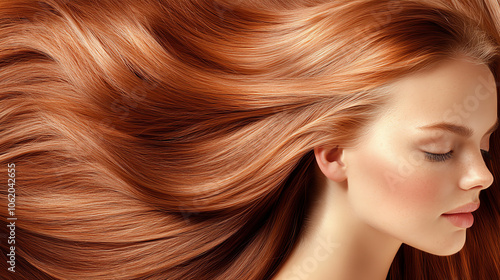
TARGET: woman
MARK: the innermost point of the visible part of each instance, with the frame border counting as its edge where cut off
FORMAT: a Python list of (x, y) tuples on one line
[(250, 139)]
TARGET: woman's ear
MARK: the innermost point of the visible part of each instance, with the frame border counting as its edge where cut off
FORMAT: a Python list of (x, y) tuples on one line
[(330, 162)]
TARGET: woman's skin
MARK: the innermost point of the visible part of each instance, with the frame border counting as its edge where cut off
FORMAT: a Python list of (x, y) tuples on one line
[(387, 191)]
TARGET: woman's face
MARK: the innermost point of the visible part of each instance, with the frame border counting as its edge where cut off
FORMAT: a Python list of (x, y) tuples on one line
[(423, 157)]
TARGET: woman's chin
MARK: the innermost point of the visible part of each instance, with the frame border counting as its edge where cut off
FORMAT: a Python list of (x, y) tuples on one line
[(449, 246)]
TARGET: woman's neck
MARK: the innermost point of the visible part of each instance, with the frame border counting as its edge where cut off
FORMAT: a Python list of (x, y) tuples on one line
[(336, 245)]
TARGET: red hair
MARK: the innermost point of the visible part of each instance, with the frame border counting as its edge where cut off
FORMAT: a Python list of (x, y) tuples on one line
[(173, 139)]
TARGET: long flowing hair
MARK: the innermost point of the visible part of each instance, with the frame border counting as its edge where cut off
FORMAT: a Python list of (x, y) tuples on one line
[(173, 139)]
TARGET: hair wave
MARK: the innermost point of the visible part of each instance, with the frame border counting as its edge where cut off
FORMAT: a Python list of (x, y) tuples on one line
[(172, 139)]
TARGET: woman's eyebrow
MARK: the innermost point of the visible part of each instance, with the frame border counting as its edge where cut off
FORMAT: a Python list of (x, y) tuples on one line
[(458, 129)]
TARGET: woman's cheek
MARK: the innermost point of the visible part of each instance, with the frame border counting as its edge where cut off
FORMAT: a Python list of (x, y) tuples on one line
[(383, 184), (421, 189), (423, 192)]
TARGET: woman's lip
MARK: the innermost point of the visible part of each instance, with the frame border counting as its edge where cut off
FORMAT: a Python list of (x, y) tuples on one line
[(467, 208), (461, 220)]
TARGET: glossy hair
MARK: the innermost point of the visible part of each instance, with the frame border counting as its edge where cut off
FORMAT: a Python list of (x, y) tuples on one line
[(173, 139)]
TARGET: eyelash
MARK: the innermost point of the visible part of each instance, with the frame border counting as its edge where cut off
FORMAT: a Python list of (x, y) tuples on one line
[(439, 157), (486, 155), (444, 157)]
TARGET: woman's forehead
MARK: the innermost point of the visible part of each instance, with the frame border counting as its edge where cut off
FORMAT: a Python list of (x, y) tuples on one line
[(451, 85), (458, 92)]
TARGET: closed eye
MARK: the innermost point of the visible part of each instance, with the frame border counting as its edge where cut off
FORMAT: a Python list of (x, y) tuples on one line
[(438, 157)]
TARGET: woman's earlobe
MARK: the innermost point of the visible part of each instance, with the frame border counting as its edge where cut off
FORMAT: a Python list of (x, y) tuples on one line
[(330, 162)]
